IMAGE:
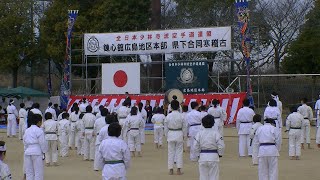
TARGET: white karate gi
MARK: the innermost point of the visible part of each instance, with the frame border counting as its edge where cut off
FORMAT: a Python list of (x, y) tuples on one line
[(12, 120), (89, 139), (83, 106), (275, 114), (53, 112), (143, 115), (134, 126), (187, 139), (203, 114), (35, 146), (103, 134), (72, 133), (317, 109), (63, 131), (50, 128), (318, 133), (158, 121), (194, 125), (175, 128), (307, 114), (22, 124), (220, 116), (5, 173), (268, 153), (98, 125), (122, 114), (80, 136), (114, 159), (209, 145), (294, 124), (96, 109), (254, 142), (244, 124)]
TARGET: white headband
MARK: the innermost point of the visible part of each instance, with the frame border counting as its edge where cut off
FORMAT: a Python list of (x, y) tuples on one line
[(3, 148)]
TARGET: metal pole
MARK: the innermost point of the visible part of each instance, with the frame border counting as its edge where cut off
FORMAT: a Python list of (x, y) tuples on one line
[(258, 67), (86, 59)]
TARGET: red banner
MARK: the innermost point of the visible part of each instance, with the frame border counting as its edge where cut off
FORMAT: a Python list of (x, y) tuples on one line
[(230, 102)]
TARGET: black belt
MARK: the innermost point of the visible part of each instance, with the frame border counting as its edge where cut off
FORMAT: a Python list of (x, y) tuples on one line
[(180, 129), (114, 162), (134, 128), (209, 151), (74, 121), (195, 124), (10, 113), (216, 117), (50, 133), (89, 128), (267, 144), (22, 117), (246, 122), (305, 118), (295, 127)]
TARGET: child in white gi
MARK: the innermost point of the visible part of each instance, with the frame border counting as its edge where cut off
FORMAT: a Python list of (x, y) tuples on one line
[(134, 125), (12, 119), (103, 134), (122, 114), (293, 125), (186, 142), (203, 111), (74, 117), (50, 128), (253, 141), (4, 168), (114, 155), (219, 115), (158, 121), (80, 135), (22, 118), (35, 146), (194, 126), (273, 112), (143, 113), (98, 125), (175, 131), (209, 146), (89, 139), (269, 140), (63, 131), (306, 112), (244, 124)]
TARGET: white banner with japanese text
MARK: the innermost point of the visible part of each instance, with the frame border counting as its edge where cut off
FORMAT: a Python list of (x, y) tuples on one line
[(157, 42)]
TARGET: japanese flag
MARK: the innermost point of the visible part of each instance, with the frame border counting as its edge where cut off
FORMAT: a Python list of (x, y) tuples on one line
[(118, 78)]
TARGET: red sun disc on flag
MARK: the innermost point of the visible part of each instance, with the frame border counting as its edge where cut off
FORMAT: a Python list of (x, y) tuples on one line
[(120, 78)]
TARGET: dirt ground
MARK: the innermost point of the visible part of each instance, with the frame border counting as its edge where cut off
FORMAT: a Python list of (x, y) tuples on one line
[(153, 164)]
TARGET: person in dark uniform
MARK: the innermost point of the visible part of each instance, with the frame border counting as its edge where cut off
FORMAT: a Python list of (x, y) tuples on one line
[(128, 99), (148, 108)]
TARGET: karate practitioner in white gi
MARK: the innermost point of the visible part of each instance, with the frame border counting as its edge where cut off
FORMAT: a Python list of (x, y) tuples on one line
[(89, 139), (134, 125), (83, 105), (74, 117), (63, 131), (203, 111), (12, 119), (5, 173), (52, 111), (209, 146), (272, 111), (98, 125), (306, 112), (35, 146), (186, 141), (22, 120), (253, 140), (80, 135), (194, 125), (50, 128), (219, 114), (122, 114), (269, 140), (103, 134), (158, 121), (143, 113), (294, 123), (114, 155), (244, 124), (175, 130)]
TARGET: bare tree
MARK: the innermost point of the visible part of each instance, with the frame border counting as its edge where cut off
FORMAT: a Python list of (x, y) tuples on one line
[(284, 19)]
